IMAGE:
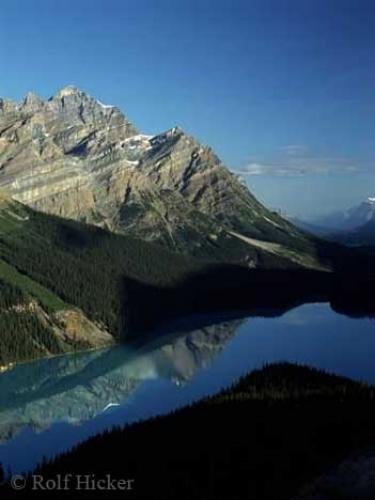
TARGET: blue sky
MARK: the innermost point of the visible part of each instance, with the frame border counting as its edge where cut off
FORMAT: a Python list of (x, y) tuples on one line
[(284, 91)]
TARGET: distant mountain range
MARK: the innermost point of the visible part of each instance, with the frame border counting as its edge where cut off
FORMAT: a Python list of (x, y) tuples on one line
[(349, 219), (355, 226)]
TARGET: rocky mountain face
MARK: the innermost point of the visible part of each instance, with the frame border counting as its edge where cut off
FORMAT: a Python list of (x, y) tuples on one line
[(77, 158)]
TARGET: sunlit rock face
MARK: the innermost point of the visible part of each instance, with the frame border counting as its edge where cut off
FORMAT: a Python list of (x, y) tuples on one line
[(75, 157), (53, 152), (76, 388)]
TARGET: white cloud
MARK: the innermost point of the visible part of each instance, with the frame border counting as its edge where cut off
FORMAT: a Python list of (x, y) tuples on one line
[(295, 160), (254, 169), (294, 150)]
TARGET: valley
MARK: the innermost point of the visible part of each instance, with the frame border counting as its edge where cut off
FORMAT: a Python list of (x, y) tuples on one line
[(187, 250), (109, 240), (104, 232)]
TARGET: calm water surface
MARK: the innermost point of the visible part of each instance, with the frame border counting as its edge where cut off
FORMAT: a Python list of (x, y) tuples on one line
[(48, 406)]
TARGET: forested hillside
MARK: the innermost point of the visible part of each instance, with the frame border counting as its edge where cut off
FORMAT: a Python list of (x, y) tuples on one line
[(49, 266), (89, 286), (266, 437), (23, 334)]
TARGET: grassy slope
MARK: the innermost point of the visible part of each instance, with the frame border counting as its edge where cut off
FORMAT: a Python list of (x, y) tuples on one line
[(266, 437)]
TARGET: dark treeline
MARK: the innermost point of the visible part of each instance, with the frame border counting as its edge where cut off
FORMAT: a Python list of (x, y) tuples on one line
[(129, 286), (22, 333), (121, 282), (263, 439), (86, 266), (10, 296)]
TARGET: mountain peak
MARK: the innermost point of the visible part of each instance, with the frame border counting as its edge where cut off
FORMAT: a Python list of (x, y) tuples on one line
[(68, 90), (77, 97), (32, 96), (32, 101), (168, 188)]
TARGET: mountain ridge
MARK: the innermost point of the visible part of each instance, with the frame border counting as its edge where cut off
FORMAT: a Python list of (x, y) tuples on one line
[(106, 229), (354, 226), (349, 219), (75, 157)]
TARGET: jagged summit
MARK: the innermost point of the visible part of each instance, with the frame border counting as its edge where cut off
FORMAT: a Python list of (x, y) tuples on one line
[(72, 104), (31, 97), (74, 156), (68, 90), (74, 94)]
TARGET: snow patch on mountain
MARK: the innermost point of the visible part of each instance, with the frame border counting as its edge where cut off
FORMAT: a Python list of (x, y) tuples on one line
[(105, 106)]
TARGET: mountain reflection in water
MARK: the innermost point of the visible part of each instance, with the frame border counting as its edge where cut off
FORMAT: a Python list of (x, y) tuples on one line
[(49, 406), (76, 388)]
